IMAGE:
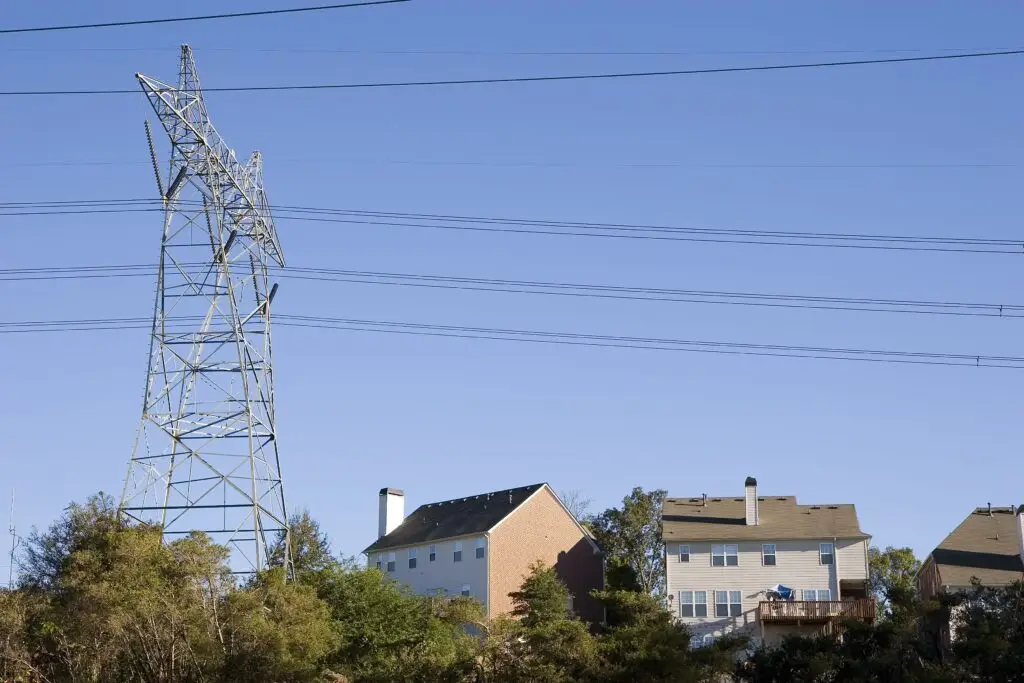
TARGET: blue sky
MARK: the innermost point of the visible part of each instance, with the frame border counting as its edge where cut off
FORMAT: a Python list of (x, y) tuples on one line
[(915, 447)]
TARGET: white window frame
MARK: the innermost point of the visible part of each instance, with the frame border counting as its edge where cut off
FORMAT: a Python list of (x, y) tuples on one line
[(412, 558), (391, 563), (686, 599), (380, 560), (457, 552), (718, 602), (773, 554), (726, 552), (684, 553), (481, 548), (817, 595), (831, 554), (708, 639), (432, 553), (735, 601)]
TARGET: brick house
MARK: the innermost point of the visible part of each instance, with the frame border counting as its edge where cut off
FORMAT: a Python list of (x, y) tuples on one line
[(482, 546), (988, 546), (764, 565)]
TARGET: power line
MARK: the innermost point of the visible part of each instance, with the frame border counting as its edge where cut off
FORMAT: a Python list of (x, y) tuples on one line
[(540, 79), (206, 17), (563, 289), (559, 338), (513, 53), (632, 231), (552, 164)]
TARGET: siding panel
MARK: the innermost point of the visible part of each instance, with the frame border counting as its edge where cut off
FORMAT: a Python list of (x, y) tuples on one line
[(797, 566)]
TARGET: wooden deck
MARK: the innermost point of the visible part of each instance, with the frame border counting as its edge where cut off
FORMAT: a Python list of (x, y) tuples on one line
[(785, 612)]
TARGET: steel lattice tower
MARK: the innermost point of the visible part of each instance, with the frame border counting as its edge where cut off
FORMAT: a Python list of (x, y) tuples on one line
[(205, 456)]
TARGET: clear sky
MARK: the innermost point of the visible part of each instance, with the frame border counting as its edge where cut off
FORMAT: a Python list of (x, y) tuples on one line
[(914, 447)]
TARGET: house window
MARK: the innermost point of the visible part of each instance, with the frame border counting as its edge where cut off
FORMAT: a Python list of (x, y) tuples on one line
[(391, 562), (695, 642), (380, 560), (725, 555), (479, 548), (433, 553), (728, 603), (827, 553), (457, 555), (708, 640), (465, 590), (684, 553), (768, 554), (693, 604), (412, 558), (812, 595)]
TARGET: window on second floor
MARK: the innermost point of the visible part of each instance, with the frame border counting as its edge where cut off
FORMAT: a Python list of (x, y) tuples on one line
[(457, 554), (768, 554), (684, 553), (480, 548), (827, 553), (693, 604), (725, 555), (391, 562), (412, 558), (728, 603), (433, 553)]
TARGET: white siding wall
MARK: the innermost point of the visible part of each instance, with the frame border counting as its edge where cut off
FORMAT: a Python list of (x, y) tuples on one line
[(443, 573), (797, 566), (853, 560)]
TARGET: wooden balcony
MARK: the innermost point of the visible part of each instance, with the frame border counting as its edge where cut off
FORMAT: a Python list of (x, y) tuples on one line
[(822, 611)]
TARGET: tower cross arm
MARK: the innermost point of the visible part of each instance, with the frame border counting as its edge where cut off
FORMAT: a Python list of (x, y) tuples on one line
[(182, 113)]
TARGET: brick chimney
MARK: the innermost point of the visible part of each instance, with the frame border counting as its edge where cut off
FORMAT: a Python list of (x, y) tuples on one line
[(391, 511), (750, 497)]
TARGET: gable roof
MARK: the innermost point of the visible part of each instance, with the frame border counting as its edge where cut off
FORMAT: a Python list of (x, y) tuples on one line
[(454, 518), (724, 519), (983, 546)]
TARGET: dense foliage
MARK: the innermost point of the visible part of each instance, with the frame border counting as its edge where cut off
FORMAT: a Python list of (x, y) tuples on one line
[(100, 601)]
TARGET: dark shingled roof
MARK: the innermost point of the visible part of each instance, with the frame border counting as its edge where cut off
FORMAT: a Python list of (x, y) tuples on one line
[(453, 518), (780, 517), (983, 546)]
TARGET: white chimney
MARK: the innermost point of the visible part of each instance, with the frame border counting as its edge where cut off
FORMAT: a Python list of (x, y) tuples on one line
[(1020, 530), (391, 511), (750, 496)]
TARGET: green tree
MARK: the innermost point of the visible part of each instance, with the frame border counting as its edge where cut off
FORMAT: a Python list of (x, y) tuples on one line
[(276, 631), (644, 644), (310, 547), (81, 526), (631, 539), (989, 628), (891, 575), (542, 599), (387, 633)]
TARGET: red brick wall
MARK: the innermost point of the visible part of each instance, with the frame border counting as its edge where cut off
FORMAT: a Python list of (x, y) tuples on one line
[(541, 529)]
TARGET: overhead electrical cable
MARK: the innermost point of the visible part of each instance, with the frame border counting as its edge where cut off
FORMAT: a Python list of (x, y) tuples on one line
[(562, 289), (541, 79), (633, 231), (204, 17), (560, 338)]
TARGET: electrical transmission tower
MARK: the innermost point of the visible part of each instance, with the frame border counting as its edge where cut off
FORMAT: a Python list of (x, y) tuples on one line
[(205, 456)]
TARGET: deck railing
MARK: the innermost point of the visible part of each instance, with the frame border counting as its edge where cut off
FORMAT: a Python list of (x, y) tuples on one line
[(816, 610)]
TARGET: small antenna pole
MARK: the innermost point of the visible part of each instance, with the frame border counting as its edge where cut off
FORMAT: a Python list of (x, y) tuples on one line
[(14, 545)]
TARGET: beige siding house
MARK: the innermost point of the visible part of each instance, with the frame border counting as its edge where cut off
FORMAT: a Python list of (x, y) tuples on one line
[(482, 546), (988, 546), (725, 557)]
